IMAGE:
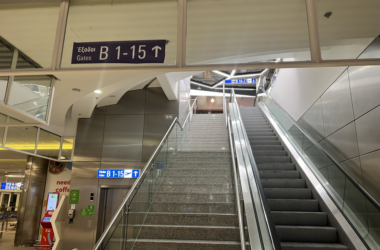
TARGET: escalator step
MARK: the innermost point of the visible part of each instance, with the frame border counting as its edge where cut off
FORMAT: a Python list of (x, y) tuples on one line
[(307, 234), (293, 205), (300, 218)]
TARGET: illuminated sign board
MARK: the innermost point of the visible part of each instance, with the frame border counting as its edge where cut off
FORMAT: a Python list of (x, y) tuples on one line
[(239, 81), (118, 173), (11, 185)]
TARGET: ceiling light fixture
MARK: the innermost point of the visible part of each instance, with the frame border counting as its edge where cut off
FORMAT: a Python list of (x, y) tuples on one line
[(221, 73), (98, 91), (14, 176), (212, 100)]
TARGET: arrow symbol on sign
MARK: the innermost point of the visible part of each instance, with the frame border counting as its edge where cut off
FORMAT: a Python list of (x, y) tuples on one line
[(156, 48), (136, 172)]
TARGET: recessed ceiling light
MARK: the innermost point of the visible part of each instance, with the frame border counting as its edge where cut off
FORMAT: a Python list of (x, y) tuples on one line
[(98, 91), (112, 96), (75, 89), (212, 100)]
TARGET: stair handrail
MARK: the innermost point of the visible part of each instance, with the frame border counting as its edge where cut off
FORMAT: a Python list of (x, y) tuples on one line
[(267, 212), (316, 144), (143, 174)]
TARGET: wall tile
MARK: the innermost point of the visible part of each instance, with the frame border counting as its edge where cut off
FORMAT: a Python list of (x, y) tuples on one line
[(312, 121), (342, 144), (337, 105), (365, 88), (371, 173), (368, 129)]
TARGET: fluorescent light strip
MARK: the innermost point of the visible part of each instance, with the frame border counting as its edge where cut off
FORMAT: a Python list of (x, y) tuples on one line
[(192, 82), (221, 73)]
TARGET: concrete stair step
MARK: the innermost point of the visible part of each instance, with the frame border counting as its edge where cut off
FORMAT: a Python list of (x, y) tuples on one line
[(299, 218), (192, 219), (209, 148), (194, 207), (269, 153), (147, 244), (287, 193), (193, 197), (273, 159), (311, 246), (307, 234), (198, 172), (180, 154), (189, 232), (209, 179), (293, 205), (201, 160), (206, 164), (279, 174), (276, 166), (198, 188), (283, 183)]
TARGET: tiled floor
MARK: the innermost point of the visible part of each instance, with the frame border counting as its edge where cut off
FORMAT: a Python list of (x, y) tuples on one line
[(7, 241)]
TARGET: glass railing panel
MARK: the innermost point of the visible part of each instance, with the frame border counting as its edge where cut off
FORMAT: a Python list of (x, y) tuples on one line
[(120, 21), (355, 206), (31, 94), (346, 28), (3, 85), (21, 138), (67, 148), (129, 228), (30, 26), (48, 144), (160, 165), (116, 241)]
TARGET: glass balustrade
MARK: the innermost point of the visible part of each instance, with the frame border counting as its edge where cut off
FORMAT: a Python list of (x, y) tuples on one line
[(363, 215), (129, 224)]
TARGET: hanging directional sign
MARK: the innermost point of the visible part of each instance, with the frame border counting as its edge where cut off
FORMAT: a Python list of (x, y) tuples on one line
[(237, 81), (118, 173), (149, 51)]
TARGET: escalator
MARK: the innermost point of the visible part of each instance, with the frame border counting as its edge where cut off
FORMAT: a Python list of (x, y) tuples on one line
[(300, 223)]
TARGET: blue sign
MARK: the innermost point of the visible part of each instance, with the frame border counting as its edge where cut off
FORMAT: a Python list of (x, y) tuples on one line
[(235, 81), (11, 186), (118, 173), (159, 165), (148, 51)]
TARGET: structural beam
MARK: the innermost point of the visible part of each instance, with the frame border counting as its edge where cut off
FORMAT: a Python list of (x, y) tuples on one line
[(312, 22), (181, 33), (200, 67)]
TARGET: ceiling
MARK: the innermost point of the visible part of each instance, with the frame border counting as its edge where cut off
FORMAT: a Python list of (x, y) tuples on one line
[(218, 31)]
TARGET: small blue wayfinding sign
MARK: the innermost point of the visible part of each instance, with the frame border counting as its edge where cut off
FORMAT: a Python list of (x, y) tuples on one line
[(11, 186), (118, 173), (147, 51), (235, 81)]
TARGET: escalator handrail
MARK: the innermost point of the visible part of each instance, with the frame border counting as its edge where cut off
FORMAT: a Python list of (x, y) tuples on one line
[(267, 212), (353, 181)]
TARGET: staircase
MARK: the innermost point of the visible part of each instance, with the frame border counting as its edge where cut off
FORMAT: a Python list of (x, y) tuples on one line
[(300, 223), (195, 206)]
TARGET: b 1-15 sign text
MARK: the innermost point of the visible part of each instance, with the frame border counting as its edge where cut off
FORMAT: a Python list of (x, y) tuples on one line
[(149, 51)]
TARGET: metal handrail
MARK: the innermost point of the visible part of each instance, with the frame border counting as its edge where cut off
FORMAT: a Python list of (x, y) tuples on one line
[(353, 181), (190, 113), (267, 212), (142, 175), (240, 216)]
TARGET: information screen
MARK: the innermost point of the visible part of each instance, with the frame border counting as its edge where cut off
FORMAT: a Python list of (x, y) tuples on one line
[(47, 219), (52, 202)]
